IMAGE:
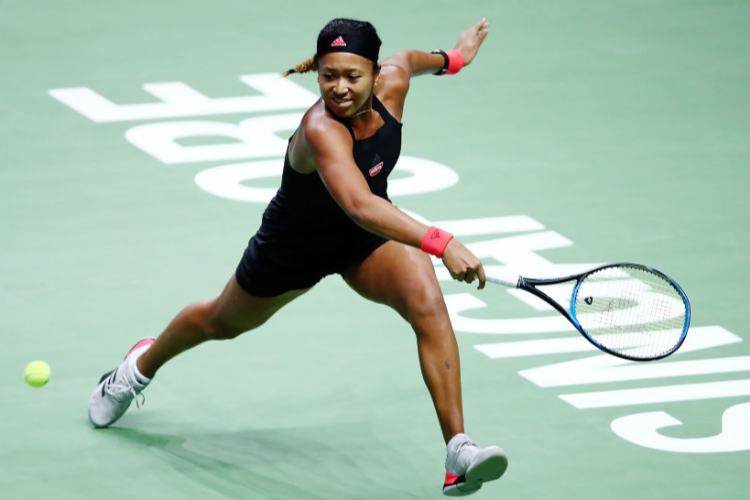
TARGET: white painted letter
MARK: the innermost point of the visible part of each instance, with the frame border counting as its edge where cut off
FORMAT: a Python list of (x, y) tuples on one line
[(459, 302), (642, 429), (180, 100), (606, 368), (225, 181), (256, 138), (661, 394)]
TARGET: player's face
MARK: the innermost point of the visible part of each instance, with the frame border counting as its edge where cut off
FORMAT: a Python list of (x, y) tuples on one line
[(346, 82)]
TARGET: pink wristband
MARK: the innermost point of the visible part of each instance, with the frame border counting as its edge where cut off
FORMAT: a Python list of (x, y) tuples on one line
[(455, 61), (435, 241)]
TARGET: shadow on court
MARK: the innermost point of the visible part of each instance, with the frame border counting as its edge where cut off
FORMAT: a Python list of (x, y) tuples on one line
[(281, 464)]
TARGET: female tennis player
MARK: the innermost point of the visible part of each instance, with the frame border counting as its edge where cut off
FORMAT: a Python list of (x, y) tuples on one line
[(332, 215)]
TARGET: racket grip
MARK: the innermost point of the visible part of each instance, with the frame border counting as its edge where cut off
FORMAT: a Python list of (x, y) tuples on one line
[(505, 277)]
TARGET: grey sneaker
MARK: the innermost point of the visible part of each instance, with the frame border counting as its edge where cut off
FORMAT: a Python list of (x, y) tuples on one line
[(468, 466), (118, 388)]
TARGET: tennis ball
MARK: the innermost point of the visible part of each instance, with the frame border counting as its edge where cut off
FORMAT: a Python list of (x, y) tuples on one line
[(37, 373)]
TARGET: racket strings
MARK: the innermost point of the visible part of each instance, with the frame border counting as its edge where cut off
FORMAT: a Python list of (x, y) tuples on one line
[(631, 310)]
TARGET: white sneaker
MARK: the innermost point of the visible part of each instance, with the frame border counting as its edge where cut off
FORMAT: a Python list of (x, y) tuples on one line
[(468, 466), (118, 388)]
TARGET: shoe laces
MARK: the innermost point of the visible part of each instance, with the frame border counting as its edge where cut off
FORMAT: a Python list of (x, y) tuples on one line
[(468, 442), (120, 391)]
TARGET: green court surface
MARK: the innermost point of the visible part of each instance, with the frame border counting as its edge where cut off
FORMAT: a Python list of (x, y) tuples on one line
[(584, 132)]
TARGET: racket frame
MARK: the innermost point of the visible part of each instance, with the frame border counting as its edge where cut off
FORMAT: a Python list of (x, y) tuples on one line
[(530, 284)]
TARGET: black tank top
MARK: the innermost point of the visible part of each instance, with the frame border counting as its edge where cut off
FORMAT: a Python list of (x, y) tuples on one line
[(304, 219)]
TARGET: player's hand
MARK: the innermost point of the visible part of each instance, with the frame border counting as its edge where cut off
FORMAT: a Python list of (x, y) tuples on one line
[(462, 264), (470, 40)]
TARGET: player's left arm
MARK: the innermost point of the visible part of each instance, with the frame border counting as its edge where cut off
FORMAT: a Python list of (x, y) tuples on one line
[(396, 71), (415, 63)]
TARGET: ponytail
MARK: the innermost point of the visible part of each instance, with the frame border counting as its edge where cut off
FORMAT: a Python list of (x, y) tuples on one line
[(303, 67)]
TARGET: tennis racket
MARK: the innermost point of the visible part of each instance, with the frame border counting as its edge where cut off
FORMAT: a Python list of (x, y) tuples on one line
[(631, 311)]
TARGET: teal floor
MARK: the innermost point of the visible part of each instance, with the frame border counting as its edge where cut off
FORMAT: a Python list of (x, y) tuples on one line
[(583, 133)]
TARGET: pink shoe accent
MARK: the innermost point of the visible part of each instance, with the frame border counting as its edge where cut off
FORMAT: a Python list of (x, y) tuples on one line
[(450, 478), (141, 343)]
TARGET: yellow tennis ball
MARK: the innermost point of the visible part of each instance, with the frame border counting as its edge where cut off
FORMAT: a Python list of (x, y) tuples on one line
[(37, 373)]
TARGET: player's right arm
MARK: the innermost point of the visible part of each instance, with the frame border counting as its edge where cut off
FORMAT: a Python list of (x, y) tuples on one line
[(330, 144)]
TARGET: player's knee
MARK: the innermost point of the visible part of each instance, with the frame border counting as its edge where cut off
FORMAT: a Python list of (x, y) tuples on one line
[(213, 326), (217, 330), (425, 302)]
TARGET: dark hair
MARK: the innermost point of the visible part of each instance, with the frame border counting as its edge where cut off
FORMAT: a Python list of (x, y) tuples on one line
[(338, 26)]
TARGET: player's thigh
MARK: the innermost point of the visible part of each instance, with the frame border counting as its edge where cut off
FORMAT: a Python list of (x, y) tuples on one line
[(237, 310), (401, 277)]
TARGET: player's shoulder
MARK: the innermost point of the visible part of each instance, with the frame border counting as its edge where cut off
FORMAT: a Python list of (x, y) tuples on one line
[(394, 75), (394, 68), (320, 128)]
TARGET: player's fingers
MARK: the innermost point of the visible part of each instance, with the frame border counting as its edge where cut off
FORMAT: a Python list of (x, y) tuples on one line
[(482, 277), (474, 31), (461, 276), (470, 275)]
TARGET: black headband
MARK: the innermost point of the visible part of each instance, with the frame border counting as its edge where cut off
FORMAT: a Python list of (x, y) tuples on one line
[(362, 45)]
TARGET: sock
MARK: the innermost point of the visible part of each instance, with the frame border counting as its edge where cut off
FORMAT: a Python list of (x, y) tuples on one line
[(139, 377)]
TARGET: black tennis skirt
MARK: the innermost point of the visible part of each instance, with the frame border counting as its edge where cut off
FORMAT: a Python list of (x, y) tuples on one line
[(269, 268)]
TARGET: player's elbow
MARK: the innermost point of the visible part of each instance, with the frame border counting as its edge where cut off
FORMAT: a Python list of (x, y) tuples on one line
[(358, 209)]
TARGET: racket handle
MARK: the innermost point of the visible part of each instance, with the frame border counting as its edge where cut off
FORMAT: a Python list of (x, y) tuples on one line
[(505, 277)]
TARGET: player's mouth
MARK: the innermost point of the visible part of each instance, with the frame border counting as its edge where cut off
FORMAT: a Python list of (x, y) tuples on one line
[(342, 103)]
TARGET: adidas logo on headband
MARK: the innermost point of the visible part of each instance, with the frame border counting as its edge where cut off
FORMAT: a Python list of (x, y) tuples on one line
[(367, 46), (339, 42)]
